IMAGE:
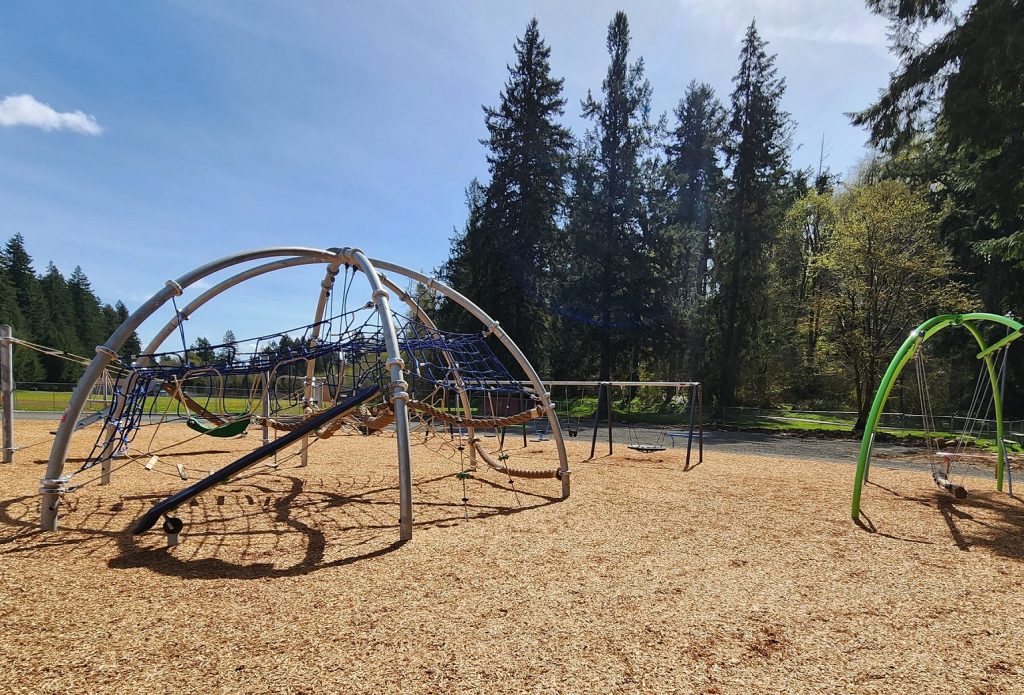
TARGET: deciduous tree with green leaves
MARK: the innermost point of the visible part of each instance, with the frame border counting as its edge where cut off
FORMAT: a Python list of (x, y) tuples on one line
[(882, 270)]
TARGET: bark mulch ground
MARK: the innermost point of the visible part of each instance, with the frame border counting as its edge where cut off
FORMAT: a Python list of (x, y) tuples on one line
[(742, 574)]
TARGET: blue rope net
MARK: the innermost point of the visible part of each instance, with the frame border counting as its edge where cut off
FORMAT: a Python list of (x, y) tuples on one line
[(349, 354)]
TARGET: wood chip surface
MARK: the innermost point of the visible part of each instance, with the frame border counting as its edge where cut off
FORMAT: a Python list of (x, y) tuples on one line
[(743, 574)]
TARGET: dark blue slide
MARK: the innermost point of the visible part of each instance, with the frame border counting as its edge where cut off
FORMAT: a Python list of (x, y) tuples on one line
[(314, 423)]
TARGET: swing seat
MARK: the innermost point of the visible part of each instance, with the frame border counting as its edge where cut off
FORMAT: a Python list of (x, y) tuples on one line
[(972, 455), (646, 448), (958, 491), (229, 429)]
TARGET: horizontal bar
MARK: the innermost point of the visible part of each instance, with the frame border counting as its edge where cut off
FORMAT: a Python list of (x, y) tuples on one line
[(610, 383), (999, 344)]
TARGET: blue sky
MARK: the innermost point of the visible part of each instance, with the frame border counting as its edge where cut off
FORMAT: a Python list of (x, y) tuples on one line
[(179, 132)]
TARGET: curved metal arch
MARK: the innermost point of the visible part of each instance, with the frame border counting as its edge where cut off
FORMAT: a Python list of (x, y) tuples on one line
[(422, 316), (910, 346), (154, 344), (52, 486), (517, 354)]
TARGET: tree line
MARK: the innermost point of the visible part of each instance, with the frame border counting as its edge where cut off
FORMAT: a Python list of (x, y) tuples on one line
[(54, 311), (687, 246)]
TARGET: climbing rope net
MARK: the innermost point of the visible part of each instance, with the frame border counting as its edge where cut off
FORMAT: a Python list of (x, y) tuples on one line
[(460, 393), (367, 368)]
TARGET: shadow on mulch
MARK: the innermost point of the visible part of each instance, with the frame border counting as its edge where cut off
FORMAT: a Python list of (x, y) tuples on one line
[(269, 526), (966, 530)]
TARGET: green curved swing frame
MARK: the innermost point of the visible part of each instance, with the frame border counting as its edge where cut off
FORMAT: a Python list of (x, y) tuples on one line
[(910, 346)]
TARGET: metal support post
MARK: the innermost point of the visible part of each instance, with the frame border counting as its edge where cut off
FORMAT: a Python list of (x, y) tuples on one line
[(7, 390), (608, 405), (689, 433), (265, 407)]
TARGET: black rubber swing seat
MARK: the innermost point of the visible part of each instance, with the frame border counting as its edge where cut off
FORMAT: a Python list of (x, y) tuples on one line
[(646, 448)]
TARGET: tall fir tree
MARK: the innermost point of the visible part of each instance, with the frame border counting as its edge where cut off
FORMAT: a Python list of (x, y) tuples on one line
[(33, 311), (621, 136), (528, 157), (757, 152), (91, 326), (950, 120), (696, 187), (577, 285), (229, 345), (504, 262), (503, 258), (132, 346), (60, 333), (10, 310), (951, 117), (469, 257)]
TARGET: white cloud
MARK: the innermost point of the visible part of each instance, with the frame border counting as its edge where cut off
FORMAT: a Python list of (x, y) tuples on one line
[(835, 21), (23, 109)]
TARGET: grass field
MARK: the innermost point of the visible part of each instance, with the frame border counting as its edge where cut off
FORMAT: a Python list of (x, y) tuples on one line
[(574, 411), (57, 401)]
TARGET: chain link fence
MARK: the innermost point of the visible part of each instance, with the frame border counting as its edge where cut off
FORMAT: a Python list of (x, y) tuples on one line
[(892, 422)]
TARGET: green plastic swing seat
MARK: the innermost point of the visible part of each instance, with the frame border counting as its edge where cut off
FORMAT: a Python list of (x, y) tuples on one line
[(228, 429)]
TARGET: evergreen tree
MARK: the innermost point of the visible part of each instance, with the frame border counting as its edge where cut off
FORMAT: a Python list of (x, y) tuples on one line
[(60, 333), (32, 320), (757, 151), (229, 344), (469, 259), (132, 346), (580, 288), (962, 94), (91, 325), (10, 311), (622, 135), (111, 321), (201, 351), (505, 262), (696, 185), (503, 257)]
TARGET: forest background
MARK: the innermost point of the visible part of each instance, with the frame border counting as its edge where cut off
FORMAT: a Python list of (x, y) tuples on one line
[(685, 246)]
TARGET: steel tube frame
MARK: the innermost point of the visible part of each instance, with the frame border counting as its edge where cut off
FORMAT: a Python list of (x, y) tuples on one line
[(495, 329), (429, 323), (326, 285), (907, 350), (52, 487)]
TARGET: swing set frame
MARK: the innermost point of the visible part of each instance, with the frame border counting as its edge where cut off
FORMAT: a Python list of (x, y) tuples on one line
[(695, 420), (910, 346)]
